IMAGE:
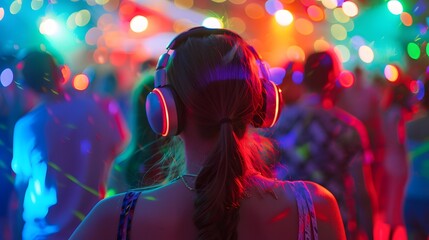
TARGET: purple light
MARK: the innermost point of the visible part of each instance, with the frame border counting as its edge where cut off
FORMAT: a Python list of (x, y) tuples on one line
[(272, 6), (6, 77)]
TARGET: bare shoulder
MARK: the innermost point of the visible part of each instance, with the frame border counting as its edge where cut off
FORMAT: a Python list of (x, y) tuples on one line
[(329, 222), (102, 221)]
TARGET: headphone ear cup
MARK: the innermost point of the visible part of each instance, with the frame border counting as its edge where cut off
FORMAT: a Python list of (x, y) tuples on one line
[(163, 111), (270, 111)]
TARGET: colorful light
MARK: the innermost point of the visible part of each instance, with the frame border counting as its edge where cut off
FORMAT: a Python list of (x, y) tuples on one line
[(272, 6), (82, 18), (427, 49), (80, 82), (1, 13), (283, 17), (350, 9), (366, 54), (413, 50), (48, 27), (139, 24), (6, 77), (395, 7), (212, 22), (346, 79), (391, 72), (342, 52), (338, 32), (406, 19), (315, 13), (330, 4), (304, 26), (254, 11)]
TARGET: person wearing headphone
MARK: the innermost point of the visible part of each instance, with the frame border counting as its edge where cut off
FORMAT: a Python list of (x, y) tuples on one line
[(212, 91)]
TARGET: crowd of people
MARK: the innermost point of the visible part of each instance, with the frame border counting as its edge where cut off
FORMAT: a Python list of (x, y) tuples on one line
[(211, 148)]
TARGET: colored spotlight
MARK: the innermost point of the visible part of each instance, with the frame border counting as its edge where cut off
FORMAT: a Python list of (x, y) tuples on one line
[(283, 17)]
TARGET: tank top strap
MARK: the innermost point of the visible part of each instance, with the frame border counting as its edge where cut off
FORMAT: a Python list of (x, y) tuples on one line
[(306, 214), (127, 212)]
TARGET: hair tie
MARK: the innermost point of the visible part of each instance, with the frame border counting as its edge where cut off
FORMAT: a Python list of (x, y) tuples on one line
[(225, 120)]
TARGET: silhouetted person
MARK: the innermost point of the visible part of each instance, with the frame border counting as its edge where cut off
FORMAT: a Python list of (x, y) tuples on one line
[(62, 151), (321, 143)]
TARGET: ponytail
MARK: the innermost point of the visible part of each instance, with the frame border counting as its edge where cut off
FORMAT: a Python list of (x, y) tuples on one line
[(219, 188)]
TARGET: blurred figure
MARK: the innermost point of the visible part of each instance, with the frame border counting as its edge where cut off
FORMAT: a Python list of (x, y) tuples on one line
[(136, 166), (12, 107), (363, 101), (324, 144), (62, 151), (291, 85), (396, 110), (416, 207)]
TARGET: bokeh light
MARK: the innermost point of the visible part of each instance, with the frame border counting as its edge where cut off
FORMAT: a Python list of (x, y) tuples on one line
[(82, 18), (15, 7), (254, 11), (1, 13), (338, 32), (237, 24), (413, 50), (272, 6), (421, 90), (6, 77), (295, 53), (315, 13), (284, 17), (350, 9), (427, 49), (48, 27), (340, 16), (342, 52), (414, 86), (321, 45), (346, 79), (212, 22), (304, 26), (80, 82), (330, 4), (406, 19), (391, 72), (395, 7), (139, 24), (297, 77), (366, 54)]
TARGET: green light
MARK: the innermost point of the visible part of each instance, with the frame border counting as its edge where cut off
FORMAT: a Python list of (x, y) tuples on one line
[(427, 49), (413, 50)]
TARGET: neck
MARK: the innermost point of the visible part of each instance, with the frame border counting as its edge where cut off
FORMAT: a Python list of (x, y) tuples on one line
[(197, 148)]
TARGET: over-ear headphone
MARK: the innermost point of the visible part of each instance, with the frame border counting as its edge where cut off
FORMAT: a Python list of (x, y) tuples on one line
[(165, 110)]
